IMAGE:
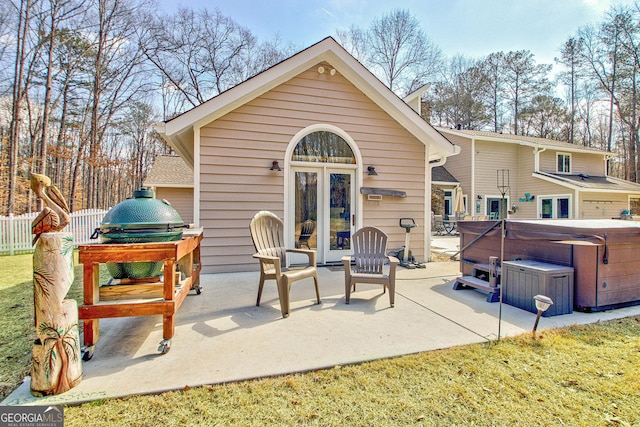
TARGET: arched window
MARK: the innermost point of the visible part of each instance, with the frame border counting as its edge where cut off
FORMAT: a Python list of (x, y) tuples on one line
[(323, 147)]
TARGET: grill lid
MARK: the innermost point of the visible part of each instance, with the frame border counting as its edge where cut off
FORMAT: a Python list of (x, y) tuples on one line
[(140, 214)]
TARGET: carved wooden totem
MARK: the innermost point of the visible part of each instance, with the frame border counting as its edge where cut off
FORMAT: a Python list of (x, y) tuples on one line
[(56, 365)]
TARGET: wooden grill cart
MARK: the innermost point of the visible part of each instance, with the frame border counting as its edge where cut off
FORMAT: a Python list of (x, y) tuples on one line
[(135, 297)]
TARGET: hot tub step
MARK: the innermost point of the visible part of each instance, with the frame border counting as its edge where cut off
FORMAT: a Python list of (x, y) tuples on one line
[(483, 285)]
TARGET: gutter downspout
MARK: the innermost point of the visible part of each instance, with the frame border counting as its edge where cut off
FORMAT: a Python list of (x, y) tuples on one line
[(536, 169), (536, 158)]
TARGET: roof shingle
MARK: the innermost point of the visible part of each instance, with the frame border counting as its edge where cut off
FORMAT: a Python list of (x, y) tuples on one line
[(169, 171), (521, 138)]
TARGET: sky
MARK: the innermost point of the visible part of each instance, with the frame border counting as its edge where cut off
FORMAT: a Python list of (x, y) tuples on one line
[(473, 28)]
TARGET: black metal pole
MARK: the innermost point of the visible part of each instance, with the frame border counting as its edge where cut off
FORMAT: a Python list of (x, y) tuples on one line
[(535, 325), (502, 181)]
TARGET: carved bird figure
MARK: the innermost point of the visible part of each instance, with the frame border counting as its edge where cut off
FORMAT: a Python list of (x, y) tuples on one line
[(55, 215)]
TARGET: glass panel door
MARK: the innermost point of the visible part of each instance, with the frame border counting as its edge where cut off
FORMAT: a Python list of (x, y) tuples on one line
[(563, 208), (546, 209), (340, 215), (554, 207), (323, 213), (306, 209)]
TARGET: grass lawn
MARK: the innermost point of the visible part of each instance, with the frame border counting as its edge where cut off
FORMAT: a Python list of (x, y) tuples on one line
[(576, 376)]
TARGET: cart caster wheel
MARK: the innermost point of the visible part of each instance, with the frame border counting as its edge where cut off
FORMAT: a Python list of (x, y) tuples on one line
[(87, 353), (198, 290), (165, 346)]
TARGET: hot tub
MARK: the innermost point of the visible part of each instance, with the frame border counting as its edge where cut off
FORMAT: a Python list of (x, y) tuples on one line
[(605, 254)]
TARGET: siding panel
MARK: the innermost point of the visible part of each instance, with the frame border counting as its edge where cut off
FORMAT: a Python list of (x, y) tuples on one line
[(237, 149), (180, 198), (580, 163)]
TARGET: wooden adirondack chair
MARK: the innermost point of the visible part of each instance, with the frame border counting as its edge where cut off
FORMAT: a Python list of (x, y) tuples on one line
[(267, 233), (370, 245), (306, 231)]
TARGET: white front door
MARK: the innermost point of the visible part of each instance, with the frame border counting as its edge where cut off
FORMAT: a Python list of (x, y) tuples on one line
[(324, 202)]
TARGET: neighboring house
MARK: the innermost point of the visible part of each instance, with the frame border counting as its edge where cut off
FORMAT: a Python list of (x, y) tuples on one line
[(172, 180), (548, 179), (443, 182), (316, 137), (443, 185), (416, 100)]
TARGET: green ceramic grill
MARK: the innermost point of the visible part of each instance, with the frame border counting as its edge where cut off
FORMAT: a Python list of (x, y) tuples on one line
[(141, 219)]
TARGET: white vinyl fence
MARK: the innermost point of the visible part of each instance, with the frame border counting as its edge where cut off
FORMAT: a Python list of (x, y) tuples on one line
[(16, 237)]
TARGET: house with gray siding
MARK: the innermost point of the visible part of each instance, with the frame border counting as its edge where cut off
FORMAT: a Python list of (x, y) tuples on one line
[(548, 178)]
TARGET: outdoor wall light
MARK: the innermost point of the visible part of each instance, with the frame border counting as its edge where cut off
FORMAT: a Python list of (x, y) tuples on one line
[(479, 197), (371, 171), (275, 166), (321, 70), (543, 303)]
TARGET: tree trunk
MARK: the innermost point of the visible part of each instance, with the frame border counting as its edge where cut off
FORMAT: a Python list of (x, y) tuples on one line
[(41, 162), (14, 135)]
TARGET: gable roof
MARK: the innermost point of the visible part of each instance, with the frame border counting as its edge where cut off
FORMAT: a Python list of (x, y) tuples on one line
[(522, 140), (179, 131), (442, 175), (414, 99), (169, 171)]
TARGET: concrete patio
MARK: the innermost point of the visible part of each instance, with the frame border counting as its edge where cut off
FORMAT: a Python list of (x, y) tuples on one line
[(222, 336)]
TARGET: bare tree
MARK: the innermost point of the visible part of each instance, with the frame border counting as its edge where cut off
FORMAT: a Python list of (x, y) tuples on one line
[(355, 40), (78, 74), (171, 45), (597, 58), (457, 99), (544, 117), (587, 117), (491, 70), (225, 43), (52, 19), (258, 56), (144, 145), (629, 90), (6, 24), (72, 56), (24, 10), (611, 57), (200, 54), (570, 58), (114, 76), (523, 79), (396, 50)]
